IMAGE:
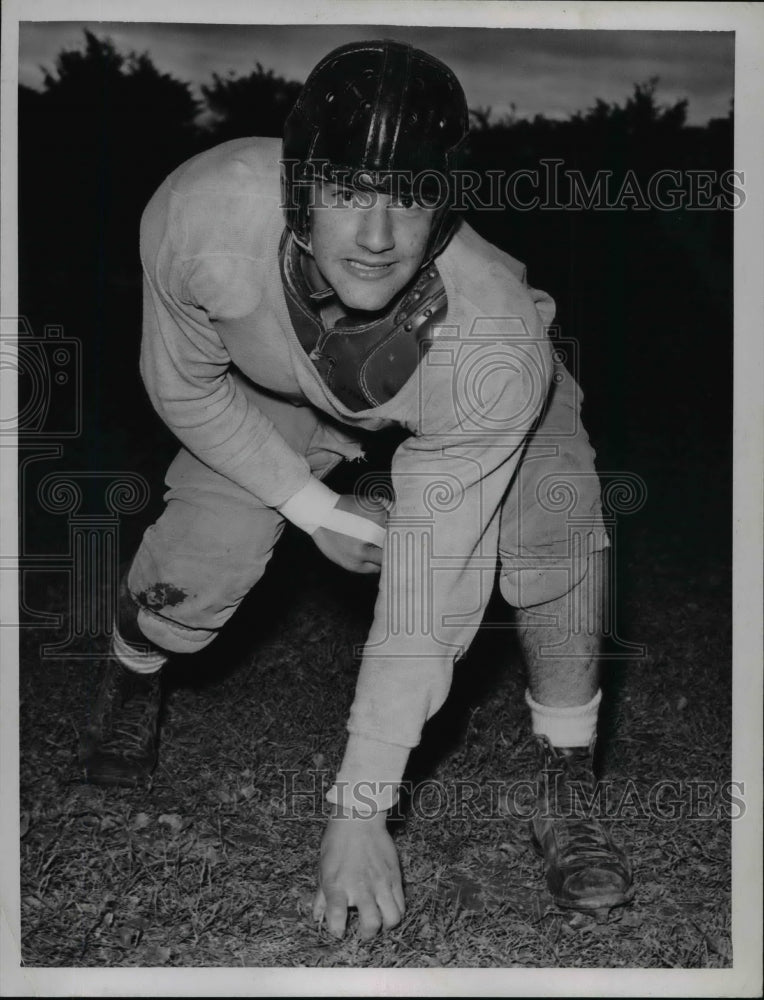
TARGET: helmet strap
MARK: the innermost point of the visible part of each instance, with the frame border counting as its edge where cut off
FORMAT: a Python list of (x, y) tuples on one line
[(302, 244)]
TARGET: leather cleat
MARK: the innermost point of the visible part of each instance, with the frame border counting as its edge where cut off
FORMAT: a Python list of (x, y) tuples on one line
[(585, 869), (120, 745)]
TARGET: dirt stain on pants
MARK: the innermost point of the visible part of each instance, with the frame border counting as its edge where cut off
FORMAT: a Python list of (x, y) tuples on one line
[(161, 595)]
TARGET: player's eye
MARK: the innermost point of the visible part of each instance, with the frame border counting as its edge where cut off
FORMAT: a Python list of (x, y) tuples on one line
[(405, 202), (345, 195), (348, 197), (338, 195)]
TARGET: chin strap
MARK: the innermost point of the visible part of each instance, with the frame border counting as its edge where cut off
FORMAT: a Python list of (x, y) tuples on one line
[(302, 244)]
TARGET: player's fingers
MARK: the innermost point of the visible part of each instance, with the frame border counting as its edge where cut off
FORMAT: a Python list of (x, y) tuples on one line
[(398, 894), (388, 907), (372, 553), (367, 569), (336, 913), (319, 906), (370, 568), (369, 917)]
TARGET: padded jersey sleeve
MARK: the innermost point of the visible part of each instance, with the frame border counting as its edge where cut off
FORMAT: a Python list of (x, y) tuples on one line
[(187, 370), (478, 396)]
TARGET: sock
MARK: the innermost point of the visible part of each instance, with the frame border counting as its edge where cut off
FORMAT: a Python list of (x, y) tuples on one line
[(139, 661), (565, 727)]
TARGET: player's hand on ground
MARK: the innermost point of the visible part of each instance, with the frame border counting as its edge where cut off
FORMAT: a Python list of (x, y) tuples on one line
[(353, 553), (359, 868)]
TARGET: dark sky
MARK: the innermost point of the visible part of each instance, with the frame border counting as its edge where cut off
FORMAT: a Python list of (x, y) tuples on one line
[(548, 71)]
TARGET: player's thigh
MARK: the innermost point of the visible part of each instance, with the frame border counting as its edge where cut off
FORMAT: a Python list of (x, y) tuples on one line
[(552, 516)]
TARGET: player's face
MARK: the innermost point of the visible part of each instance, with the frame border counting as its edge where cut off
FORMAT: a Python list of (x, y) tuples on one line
[(367, 245)]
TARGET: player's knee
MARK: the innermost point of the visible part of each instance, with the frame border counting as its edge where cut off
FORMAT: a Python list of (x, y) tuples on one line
[(527, 586), (172, 636), (155, 614)]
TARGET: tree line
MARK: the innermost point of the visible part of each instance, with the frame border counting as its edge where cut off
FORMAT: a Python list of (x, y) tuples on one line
[(107, 127)]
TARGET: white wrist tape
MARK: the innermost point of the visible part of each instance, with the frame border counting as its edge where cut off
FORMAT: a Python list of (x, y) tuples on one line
[(354, 525), (313, 507)]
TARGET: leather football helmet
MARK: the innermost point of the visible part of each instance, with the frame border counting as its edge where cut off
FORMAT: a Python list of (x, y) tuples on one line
[(383, 111)]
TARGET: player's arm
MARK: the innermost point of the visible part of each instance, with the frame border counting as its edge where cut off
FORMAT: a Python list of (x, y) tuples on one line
[(186, 370), (437, 575), (450, 479)]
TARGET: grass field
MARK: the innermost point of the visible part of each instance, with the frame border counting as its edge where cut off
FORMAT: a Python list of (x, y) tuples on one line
[(205, 868)]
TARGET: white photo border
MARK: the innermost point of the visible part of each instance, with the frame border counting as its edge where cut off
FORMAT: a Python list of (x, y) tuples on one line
[(744, 979)]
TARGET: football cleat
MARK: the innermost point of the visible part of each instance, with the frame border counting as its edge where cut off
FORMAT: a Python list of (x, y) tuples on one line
[(585, 869), (121, 742)]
